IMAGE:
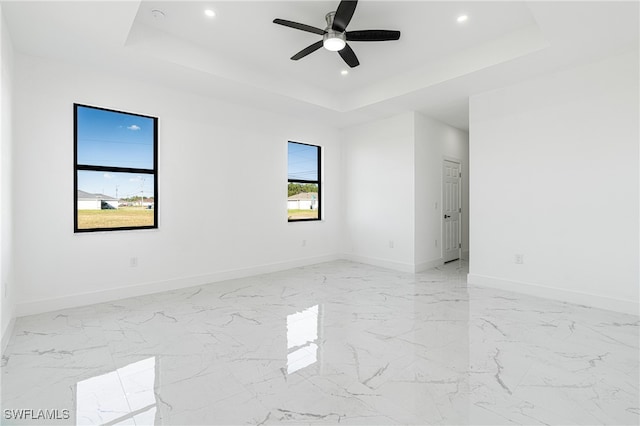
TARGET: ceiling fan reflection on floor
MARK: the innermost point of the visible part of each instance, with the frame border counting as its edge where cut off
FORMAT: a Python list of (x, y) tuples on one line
[(335, 35)]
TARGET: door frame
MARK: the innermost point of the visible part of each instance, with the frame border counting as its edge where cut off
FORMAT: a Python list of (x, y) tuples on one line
[(459, 162)]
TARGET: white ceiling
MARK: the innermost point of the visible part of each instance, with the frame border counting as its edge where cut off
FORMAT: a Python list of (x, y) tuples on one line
[(241, 56)]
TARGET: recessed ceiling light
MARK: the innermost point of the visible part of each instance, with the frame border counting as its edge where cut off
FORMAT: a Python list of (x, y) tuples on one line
[(462, 18), (344, 72), (210, 13)]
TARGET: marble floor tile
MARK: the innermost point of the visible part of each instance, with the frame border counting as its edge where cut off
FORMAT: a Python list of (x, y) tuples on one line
[(333, 343)]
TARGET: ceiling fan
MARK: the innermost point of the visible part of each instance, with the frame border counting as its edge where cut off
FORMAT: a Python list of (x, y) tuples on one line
[(335, 35)]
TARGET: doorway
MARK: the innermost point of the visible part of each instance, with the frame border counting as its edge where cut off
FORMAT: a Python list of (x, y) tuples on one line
[(451, 210)]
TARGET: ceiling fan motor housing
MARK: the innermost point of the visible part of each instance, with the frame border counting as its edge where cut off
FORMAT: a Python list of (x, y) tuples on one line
[(334, 40)]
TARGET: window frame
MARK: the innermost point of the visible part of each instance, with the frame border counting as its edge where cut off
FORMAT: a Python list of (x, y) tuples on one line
[(89, 167), (306, 181)]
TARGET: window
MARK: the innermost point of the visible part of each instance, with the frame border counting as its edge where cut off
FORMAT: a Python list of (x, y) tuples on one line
[(303, 202), (115, 170)]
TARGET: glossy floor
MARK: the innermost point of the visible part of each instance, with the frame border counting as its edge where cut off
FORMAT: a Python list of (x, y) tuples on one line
[(338, 342)]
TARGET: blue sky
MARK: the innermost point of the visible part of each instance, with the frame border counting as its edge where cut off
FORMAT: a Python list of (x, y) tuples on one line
[(303, 162), (109, 138)]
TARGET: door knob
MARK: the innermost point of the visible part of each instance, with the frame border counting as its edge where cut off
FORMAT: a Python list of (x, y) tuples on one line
[(446, 216)]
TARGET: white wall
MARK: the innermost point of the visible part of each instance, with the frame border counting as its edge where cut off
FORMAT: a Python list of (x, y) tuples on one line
[(300, 204), (435, 141), (378, 192), (215, 153), (7, 291), (88, 204), (393, 179), (115, 204), (554, 166)]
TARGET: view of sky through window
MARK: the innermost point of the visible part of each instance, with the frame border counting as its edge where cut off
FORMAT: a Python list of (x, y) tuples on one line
[(114, 139), (115, 170), (303, 162), (303, 189)]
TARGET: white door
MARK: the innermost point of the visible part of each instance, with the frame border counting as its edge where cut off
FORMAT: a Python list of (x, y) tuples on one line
[(451, 239)]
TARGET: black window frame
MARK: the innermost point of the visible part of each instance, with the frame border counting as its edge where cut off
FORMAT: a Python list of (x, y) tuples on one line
[(306, 181), (89, 167)]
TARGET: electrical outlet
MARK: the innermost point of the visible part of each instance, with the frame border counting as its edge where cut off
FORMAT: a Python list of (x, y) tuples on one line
[(304, 243), (390, 243), (519, 259), (133, 262)]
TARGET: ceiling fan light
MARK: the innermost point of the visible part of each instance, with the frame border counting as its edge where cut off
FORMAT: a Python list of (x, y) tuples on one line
[(333, 44)]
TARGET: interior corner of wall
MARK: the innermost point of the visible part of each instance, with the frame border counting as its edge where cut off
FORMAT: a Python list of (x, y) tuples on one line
[(429, 264), (6, 334)]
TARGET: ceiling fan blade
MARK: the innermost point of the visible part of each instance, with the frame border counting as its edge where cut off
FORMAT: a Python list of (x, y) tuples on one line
[(349, 56), (307, 50), (299, 26), (373, 35), (344, 13)]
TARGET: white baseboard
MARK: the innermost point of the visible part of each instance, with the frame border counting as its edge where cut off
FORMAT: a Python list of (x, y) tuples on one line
[(6, 335), (84, 299), (428, 265), (576, 297), (383, 263), (392, 264)]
